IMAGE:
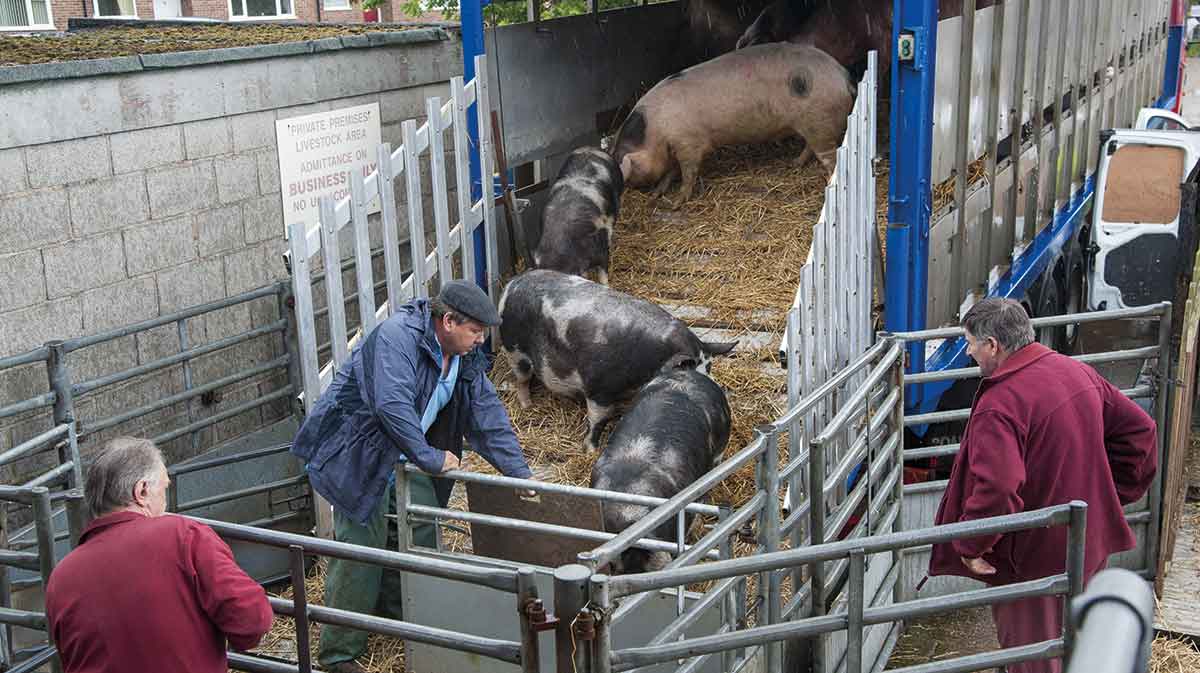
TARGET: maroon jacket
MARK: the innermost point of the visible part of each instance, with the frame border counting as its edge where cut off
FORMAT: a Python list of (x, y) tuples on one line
[(152, 594), (1045, 430)]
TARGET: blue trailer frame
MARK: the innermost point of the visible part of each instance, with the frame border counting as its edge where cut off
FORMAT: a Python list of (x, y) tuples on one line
[(910, 200)]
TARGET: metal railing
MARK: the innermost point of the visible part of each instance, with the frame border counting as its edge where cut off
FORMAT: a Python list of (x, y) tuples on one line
[(40, 561), (518, 582), (604, 592), (297, 505), (1158, 387), (1114, 623), (65, 391)]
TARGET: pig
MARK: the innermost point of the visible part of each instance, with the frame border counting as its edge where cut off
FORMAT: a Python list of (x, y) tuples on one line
[(845, 29), (577, 223), (586, 341), (674, 433), (753, 95)]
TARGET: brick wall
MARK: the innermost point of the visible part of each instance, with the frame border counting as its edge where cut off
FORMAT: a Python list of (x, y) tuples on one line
[(305, 10), (116, 225)]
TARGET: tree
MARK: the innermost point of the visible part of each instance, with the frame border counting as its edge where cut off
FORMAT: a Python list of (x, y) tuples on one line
[(512, 11)]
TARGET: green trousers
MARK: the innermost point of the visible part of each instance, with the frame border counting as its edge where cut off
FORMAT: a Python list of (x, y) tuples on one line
[(365, 588)]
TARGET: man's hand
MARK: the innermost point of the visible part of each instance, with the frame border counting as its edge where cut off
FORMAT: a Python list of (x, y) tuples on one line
[(979, 566), (450, 463), (527, 493)]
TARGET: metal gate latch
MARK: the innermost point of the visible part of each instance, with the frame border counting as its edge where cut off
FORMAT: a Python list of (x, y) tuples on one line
[(585, 625), (538, 617)]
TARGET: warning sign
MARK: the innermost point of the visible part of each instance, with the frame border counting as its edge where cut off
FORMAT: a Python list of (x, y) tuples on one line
[(317, 152)]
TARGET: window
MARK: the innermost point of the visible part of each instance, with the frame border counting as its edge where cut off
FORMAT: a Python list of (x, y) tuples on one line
[(1143, 184), (118, 8), (25, 14), (259, 9), (1165, 124), (336, 4)]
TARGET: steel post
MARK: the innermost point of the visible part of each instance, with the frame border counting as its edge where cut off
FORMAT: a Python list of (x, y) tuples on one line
[(59, 375), (570, 597), (403, 527), (602, 644), (527, 599), (1161, 396), (854, 612), (300, 612), (768, 537), (44, 528), (1076, 547), (291, 344), (1114, 622), (76, 516)]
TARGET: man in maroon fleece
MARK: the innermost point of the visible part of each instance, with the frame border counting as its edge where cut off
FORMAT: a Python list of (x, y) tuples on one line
[(144, 591), (1044, 430)]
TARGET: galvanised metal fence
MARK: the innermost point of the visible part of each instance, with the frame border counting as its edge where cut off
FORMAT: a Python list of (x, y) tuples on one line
[(605, 593), (40, 561), (518, 582), (1144, 516)]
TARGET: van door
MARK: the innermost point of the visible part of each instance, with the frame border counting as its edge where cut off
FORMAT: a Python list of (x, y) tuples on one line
[(1158, 119), (1137, 232)]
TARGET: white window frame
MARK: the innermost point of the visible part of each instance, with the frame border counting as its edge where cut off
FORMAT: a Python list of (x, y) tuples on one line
[(96, 12), (36, 26), (276, 17), (341, 6)]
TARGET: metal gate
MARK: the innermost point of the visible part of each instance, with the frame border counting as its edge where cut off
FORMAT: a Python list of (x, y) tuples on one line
[(453, 248)]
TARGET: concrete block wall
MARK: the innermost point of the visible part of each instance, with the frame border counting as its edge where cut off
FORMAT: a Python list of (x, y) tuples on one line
[(154, 191)]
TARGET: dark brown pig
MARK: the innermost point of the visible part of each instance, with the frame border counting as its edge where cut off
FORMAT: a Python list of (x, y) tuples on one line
[(758, 94)]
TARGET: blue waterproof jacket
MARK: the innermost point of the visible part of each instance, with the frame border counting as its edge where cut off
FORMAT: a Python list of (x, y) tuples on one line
[(369, 418)]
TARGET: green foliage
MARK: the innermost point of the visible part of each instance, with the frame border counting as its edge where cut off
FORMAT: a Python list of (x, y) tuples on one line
[(508, 12)]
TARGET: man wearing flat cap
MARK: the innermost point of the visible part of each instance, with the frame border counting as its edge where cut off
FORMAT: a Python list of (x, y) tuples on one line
[(411, 391)]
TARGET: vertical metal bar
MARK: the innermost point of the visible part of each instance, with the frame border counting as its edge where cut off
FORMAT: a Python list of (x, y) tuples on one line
[(1016, 125), (1161, 396), (897, 426), (331, 255), (728, 605), (987, 219), (462, 175), (181, 329), (416, 217), (487, 177), (1107, 55), (6, 654), (839, 262), (816, 533), (76, 516), (285, 303), (1089, 72), (44, 529), (1072, 89), (958, 283), (854, 611), (1076, 547), (1053, 169), (768, 537), (570, 597), (680, 533), (364, 274), (72, 451), (602, 643), (306, 331), (1038, 114), (300, 603), (437, 175), (59, 378), (403, 498), (527, 595), (390, 225)]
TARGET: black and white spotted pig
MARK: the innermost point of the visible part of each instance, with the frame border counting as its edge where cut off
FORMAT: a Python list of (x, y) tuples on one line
[(577, 223), (586, 341), (753, 95), (675, 432)]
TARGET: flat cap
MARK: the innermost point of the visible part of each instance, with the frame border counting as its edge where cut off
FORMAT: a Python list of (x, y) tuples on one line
[(466, 298)]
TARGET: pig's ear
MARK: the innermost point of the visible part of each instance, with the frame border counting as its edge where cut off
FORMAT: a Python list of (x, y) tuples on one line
[(626, 166), (718, 347)]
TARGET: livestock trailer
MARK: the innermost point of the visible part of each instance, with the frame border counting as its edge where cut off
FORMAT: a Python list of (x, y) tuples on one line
[(825, 581)]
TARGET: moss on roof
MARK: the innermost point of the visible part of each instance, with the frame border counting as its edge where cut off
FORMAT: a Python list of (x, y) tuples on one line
[(157, 38)]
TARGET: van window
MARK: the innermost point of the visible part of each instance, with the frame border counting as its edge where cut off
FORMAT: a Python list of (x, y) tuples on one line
[(1143, 184)]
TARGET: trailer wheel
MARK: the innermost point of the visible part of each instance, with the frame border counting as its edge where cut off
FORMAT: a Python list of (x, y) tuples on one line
[(1073, 299), (1045, 299)]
